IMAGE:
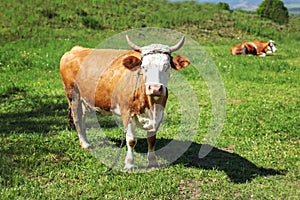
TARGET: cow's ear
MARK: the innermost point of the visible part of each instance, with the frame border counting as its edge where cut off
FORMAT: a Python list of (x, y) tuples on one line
[(179, 62), (132, 63)]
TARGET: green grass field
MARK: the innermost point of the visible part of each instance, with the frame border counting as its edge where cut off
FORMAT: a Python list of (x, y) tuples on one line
[(255, 157)]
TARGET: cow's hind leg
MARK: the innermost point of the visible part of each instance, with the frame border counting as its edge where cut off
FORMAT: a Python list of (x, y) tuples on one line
[(78, 114), (71, 125), (151, 137)]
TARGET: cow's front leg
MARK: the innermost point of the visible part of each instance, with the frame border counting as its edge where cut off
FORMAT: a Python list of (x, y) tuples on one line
[(262, 54), (130, 142), (151, 137)]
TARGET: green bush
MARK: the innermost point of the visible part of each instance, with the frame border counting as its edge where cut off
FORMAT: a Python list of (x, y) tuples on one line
[(274, 10), (91, 22), (224, 6)]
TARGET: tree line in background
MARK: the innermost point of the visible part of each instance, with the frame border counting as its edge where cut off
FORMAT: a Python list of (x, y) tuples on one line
[(274, 10), (270, 9)]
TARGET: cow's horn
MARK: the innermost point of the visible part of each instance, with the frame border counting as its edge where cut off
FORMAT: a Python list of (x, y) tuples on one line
[(178, 45), (132, 45)]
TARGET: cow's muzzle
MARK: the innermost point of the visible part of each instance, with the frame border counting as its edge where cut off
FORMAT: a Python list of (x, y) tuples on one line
[(155, 90)]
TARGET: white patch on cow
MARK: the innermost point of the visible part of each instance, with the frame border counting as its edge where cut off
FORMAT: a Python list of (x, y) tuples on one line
[(262, 55), (117, 110), (130, 136), (254, 45), (271, 48), (151, 119), (156, 64), (155, 47)]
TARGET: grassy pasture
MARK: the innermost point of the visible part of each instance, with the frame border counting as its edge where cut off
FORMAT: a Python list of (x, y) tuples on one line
[(257, 154)]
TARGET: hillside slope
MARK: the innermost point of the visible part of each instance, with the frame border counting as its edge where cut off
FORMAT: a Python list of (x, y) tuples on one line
[(205, 21)]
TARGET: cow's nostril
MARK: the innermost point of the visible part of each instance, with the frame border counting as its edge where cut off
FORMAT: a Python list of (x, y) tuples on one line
[(160, 88), (155, 89)]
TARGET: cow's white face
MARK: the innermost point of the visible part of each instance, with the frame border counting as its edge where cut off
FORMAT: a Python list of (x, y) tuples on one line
[(271, 47), (155, 63), (155, 67)]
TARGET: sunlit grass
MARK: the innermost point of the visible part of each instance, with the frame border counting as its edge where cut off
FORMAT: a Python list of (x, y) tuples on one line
[(255, 157)]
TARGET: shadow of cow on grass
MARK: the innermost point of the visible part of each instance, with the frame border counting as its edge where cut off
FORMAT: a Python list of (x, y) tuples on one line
[(238, 169)]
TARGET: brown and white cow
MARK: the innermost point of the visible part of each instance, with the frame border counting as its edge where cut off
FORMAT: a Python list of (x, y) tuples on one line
[(255, 47), (105, 80)]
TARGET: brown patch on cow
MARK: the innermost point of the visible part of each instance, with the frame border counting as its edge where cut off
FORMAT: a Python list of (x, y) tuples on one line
[(132, 63), (140, 101), (151, 141), (69, 67), (262, 47), (179, 62), (132, 143)]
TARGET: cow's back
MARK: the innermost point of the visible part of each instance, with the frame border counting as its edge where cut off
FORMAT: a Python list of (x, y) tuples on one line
[(95, 72), (262, 46), (70, 66)]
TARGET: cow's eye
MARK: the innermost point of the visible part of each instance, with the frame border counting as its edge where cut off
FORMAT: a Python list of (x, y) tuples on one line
[(144, 68)]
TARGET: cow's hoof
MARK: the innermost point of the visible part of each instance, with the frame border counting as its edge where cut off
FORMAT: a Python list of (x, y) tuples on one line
[(152, 165), (86, 146), (129, 167)]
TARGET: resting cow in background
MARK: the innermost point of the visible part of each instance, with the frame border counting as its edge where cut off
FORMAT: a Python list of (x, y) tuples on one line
[(254, 48), (105, 80)]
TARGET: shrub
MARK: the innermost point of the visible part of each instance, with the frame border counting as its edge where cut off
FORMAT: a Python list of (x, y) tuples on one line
[(91, 22), (274, 10), (224, 6)]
